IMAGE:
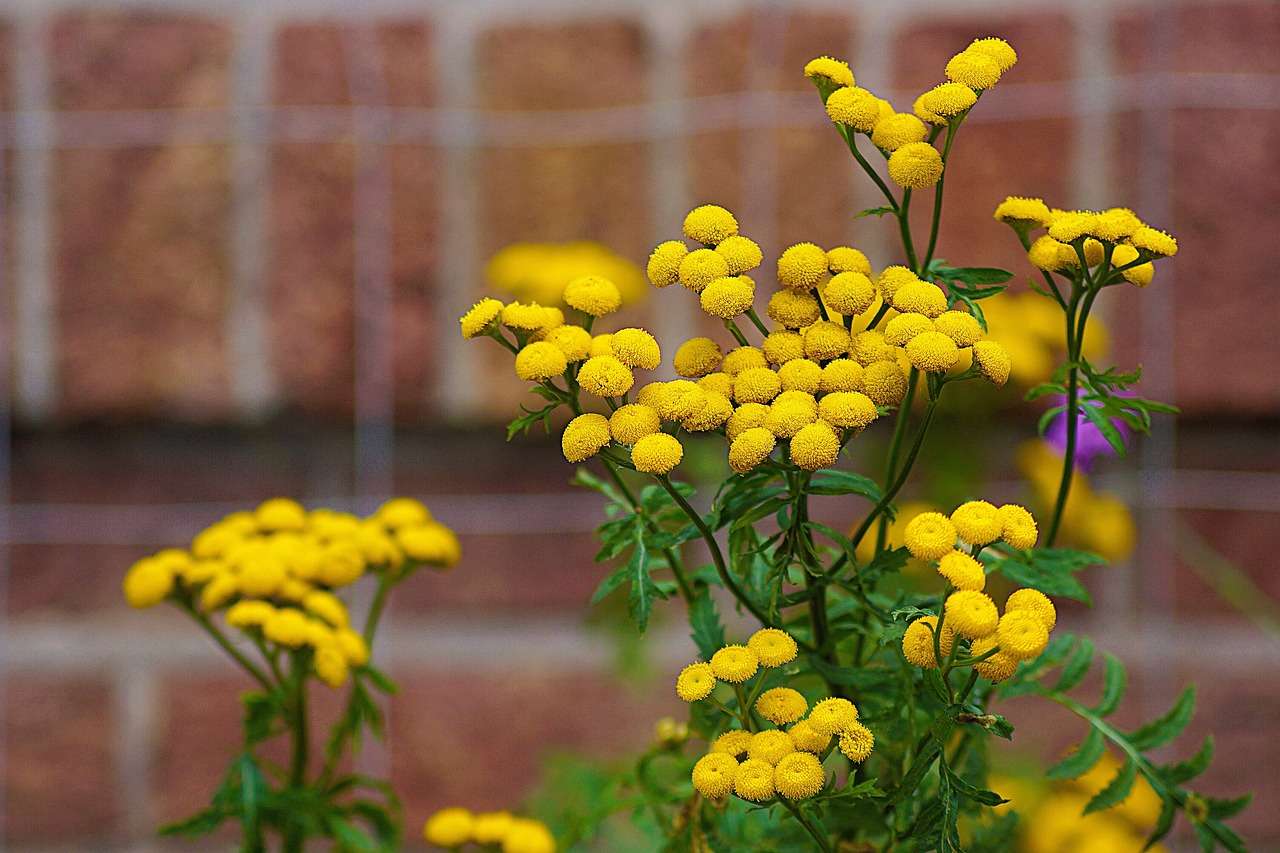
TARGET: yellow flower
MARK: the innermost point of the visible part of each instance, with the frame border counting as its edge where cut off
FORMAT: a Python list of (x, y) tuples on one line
[(697, 357), (353, 646), (962, 571), (712, 415), (696, 681), (844, 259), (773, 647), (742, 358), (901, 329), (584, 436), (929, 536), (932, 352), (828, 70), (1071, 225), (849, 293), (1153, 243), (832, 715), (449, 828), (601, 344), (1049, 255), (526, 835), (802, 266), (977, 522), (892, 278), (754, 780), (280, 514), (826, 340), (917, 642), (147, 583), (573, 341), (782, 346), (540, 361), (815, 446), (919, 297), (799, 775), (745, 417), (790, 412), (720, 383), (633, 422), (331, 665), (286, 627), (431, 543), (740, 253), (973, 69), (993, 360), (1033, 601), (1022, 634), (679, 399), (249, 613), (664, 263), (960, 326), (770, 746), (734, 663), (605, 376), (922, 111), (847, 409), (710, 224), (1027, 212), (997, 49), (841, 374), (897, 130), (996, 668), (915, 165), (885, 383), (1140, 275), (749, 448), (398, 512), (793, 309), (1017, 526), (491, 827), (806, 739), (482, 318), (972, 614), (593, 294), (756, 385), (220, 589), (635, 348), (262, 574), (854, 107), (713, 774), (326, 605), (701, 267), (735, 743), (781, 705), (1116, 224), (528, 317), (657, 453), (728, 297), (800, 374), (947, 100), (856, 742)]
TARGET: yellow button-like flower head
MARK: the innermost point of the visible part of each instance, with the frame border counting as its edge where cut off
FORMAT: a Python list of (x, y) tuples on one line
[(721, 383), (733, 743), (781, 705), (280, 514), (782, 346), (1022, 634), (900, 330), (856, 742), (1023, 212), (540, 361), (893, 278), (831, 716), (701, 267), (855, 108), (327, 606), (147, 583), (715, 410), (756, 385), (815, 446), (593, 294), (847, 409), (713, 775), (331, 665), (742, 358), (740, 253), (844, 259), (1071, 225), (799, 775), (826, 340), (431, 543), (996, 668), (960, 326), (754, 779), (286, 627), (885, 383), (897, 130), (973, 69), (735, 663), (920, 297), (1033, 601), (849, 293), (947, 100), (491, 827), (793, 309), (977, 522), (746, 416), (993, 360), (664, 263), (800, 374), (915, 165), (249, 613), (770, 746), (1017, 526), (929, 536), (633, 422), (728, 297), (696, 681), (972, 614), (636, 348), (806, 739), (832, 72), (802, 266), (710, 224), (605, 376), (749, 448), (918, 644), (657, 453), (998, 49), (482, 318), (1140, 275), (449, 828), (962, 571), (697, 357), (584, 436), (774, 647), (526, 835), (1153, 243), (841, 374)]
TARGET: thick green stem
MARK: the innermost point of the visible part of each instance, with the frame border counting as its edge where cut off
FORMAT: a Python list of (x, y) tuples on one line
[(895, 446), (755, 319), (295, 835), (722, 569), (1075, 339), (904, 229)]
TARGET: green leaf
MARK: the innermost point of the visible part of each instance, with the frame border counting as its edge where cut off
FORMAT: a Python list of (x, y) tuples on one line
[(916, 773), (380, 680), (973, 275), (615, 579), (1080, 761), (643, 589), (884, 563), (873, 211), (351, 837), (526, 422), (1116, 790), (1164, 823), (844, 483), (1109, 431), (1076, 667), (1185, 771), (583, 477), (262, 712), (1047, 418), (252, 790), (1221, 809), (1164, 729), (949, 840), (1114, 681), (1048, 570), (704, 621), (978, 795)]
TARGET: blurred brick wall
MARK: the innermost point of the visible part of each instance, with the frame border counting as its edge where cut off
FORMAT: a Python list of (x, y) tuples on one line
[(143, 282)]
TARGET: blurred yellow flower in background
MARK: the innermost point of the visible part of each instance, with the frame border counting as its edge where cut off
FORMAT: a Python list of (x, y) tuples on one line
[(538, 272)]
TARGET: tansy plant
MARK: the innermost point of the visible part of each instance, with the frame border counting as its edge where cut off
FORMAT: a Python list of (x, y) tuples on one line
[(858, 715), (265, 586)]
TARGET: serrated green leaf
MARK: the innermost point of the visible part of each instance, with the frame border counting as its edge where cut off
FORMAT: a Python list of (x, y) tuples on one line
[(616, 578), (844, 483), (916, 773), (1116, 790), (1096, 417), (1164, 729), (1043, 424), (1114, 680), (1221, 809), (1075, 669), (643, 589), (885, 562), (526, 422), (1185, 771), (1044, 569), (1164, 823), (973, 275), (704, 622), (1082, 760), (873, 211), (978, 795)]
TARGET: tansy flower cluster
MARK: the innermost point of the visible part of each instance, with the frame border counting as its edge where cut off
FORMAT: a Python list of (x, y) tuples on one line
[(757, 762), (996, 642), (538, 272), (274, 572), (454, 828), (1114, 237), (904, 138)]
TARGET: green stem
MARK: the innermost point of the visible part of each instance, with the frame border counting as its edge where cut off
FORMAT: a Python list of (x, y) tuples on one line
[(212, 630), (895, 446), (823, 843), (375, 609), (736, 332), (294, 833), (1075, 339), (904, 229), (755, 319), (851, 140), (937, 199), (722, 570), (902, 475), (673, 559)]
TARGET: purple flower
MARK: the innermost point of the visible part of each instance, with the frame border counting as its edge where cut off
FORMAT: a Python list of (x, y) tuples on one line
[(1090, 442)]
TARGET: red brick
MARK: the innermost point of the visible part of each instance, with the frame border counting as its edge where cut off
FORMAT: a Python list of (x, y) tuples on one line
[(1228, 37), (471, 739), (59, 780)]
